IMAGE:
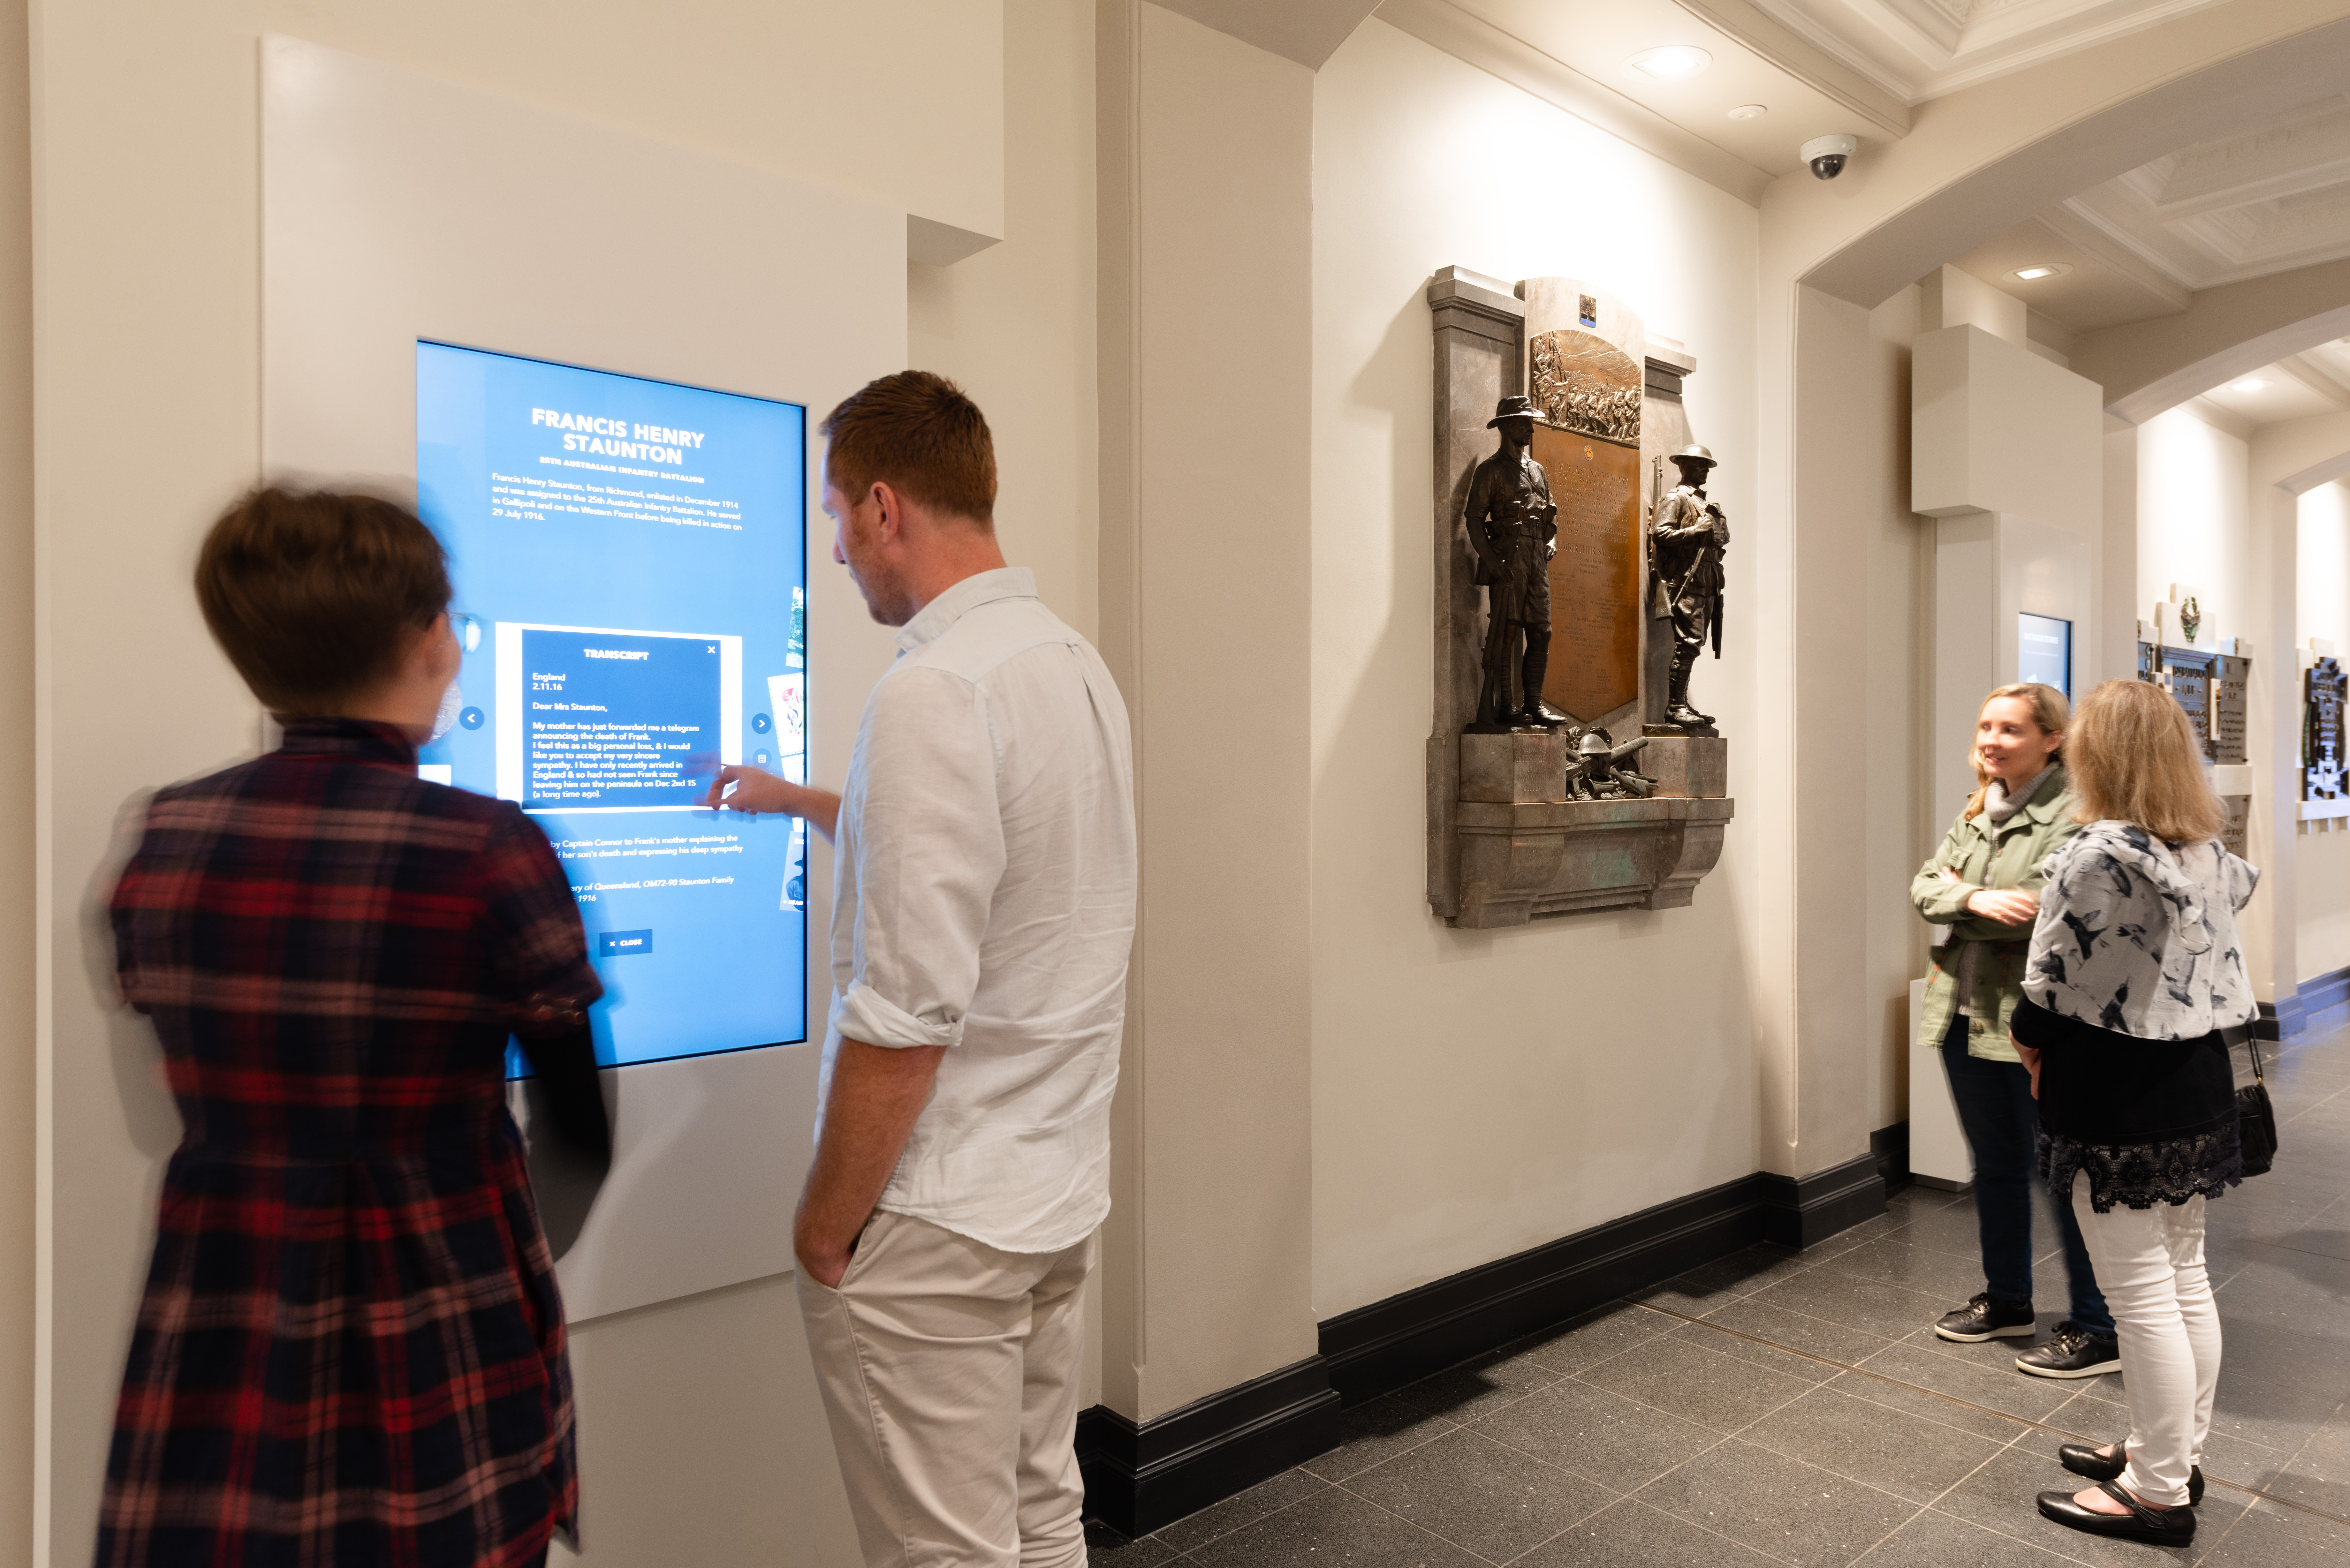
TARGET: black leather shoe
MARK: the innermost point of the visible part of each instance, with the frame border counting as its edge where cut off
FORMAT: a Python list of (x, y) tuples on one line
[(2082, 1459), (1988, 1317), (2072, 1352), (2155, 1526)]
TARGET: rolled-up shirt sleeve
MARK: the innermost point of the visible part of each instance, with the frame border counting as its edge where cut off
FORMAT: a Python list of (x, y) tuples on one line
[(926, 856)]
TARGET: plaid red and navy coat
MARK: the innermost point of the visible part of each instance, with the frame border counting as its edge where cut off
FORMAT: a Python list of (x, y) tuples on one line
[(350, 1351)]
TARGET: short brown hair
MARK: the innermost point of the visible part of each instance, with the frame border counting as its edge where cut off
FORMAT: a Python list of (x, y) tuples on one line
[(309, 593), (916, 432), (2136, 757)]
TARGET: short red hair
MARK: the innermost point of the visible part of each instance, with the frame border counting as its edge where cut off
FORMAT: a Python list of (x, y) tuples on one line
[(918, 433)]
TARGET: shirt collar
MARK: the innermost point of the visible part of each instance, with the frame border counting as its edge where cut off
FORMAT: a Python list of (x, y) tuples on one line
[(363, 740), (981, 588)]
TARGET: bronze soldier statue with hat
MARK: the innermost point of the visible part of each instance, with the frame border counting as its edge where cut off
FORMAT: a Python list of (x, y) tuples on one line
[(1513, 528), (1686, 541)]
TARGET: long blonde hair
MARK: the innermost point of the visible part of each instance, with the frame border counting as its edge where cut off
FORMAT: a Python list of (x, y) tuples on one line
[(2135, 757), (2049, 711)]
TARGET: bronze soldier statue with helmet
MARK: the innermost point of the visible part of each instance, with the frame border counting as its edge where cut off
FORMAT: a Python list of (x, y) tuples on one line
[(1513, 528), (1687, 539)]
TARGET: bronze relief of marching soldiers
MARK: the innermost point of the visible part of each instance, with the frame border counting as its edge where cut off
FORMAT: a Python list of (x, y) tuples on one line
[(1513, 528), (1687, 539)]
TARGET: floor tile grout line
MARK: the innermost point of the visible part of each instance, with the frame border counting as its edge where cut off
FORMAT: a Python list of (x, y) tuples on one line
[(1614, 1497), (1936, 1506), (2024, 1427), (1456, 1545), (1633, 1498), (1968, 1403), (1718, 1435)]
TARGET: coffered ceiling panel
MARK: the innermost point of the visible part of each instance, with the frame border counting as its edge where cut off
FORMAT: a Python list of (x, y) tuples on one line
[(1923, 48), (2277, 196)]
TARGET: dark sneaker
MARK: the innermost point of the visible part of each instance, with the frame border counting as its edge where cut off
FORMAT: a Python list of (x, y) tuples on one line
[(1988, 1317), (2072, 1352)]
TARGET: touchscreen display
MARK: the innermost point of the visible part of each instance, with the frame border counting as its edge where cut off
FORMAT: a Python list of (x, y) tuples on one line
[(629, 562), (2043, 652)]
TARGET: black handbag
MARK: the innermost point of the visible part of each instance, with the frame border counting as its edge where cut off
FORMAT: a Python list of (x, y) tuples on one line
[(2256, 1119)]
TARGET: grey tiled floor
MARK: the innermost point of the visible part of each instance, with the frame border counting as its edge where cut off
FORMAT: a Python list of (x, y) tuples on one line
[(1785, 1406)]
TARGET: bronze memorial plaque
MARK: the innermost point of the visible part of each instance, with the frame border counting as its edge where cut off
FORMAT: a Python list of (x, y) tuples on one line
[(1589, 392)]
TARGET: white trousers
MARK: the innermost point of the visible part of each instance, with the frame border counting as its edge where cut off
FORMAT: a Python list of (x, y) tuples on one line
[(948, 1372), (2149, 1264)]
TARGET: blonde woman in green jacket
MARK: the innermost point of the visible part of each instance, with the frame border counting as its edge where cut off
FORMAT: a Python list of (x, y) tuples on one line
[(1983, 886)]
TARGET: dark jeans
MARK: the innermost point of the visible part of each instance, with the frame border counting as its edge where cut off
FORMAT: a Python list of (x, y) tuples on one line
[(2002, 1128)]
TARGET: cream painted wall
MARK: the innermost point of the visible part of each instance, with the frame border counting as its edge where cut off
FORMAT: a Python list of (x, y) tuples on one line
[(18, 844), (1206, 147), (2322, 591), (2194, 521), (2322, 868), (1901, 823), (145, 253), (1479, 1093), (1862, 571), (2119, 608), (1950, 297), (2201, 524), (1015, 323), (1017, 326)]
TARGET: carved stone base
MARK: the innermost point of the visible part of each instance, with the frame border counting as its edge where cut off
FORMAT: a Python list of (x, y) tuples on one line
[(1524, 859), (1687, 767), (1524, 764), (1525, 850)]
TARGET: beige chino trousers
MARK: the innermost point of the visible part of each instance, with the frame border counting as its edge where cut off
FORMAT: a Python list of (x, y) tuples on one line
[(948, 1372)]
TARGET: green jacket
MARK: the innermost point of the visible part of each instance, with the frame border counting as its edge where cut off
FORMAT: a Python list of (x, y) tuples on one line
[(2010, 858)]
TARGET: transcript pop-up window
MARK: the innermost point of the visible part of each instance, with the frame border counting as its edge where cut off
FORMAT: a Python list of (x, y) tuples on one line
[(597, 720)]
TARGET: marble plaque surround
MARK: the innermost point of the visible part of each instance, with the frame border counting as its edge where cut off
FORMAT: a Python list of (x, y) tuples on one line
[(2236, 836), (1504, 844)]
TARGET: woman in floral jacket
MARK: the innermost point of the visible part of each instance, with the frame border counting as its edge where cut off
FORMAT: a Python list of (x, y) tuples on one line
[(2134, 973)]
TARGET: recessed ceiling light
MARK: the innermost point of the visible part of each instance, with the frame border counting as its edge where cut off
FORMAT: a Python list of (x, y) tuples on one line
[(2249, 384), (2039, 270), (1672, 63), (1750, 111)]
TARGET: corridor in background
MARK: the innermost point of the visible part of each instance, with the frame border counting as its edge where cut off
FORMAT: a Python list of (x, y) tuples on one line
[(1785, 1406)]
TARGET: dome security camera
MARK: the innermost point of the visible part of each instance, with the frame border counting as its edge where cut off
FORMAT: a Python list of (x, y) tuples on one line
[(1827, 155)]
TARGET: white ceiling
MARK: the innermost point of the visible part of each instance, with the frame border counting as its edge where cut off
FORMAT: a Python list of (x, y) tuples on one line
[(2299, 387), (2139, 245), (2276, 197), (1920, 49), (2272, 198), (1305, 31), (1593, 43)]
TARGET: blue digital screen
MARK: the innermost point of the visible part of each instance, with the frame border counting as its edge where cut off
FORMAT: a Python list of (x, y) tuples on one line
[(630, 561), (2043, 652)]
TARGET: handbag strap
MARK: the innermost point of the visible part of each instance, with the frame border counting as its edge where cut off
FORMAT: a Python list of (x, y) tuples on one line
[(2252, 1043)]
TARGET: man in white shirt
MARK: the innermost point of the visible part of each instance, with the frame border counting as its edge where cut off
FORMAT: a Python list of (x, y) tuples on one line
[(983, 912)]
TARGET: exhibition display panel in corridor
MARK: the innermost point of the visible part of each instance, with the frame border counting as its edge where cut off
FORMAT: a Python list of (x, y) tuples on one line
[(630, 561)]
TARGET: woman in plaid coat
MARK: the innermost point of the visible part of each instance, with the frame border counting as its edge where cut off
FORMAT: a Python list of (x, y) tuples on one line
[(351, 1350)]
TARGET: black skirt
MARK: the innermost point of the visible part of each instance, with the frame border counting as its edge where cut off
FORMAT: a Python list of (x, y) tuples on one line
[(2151, 1121)]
